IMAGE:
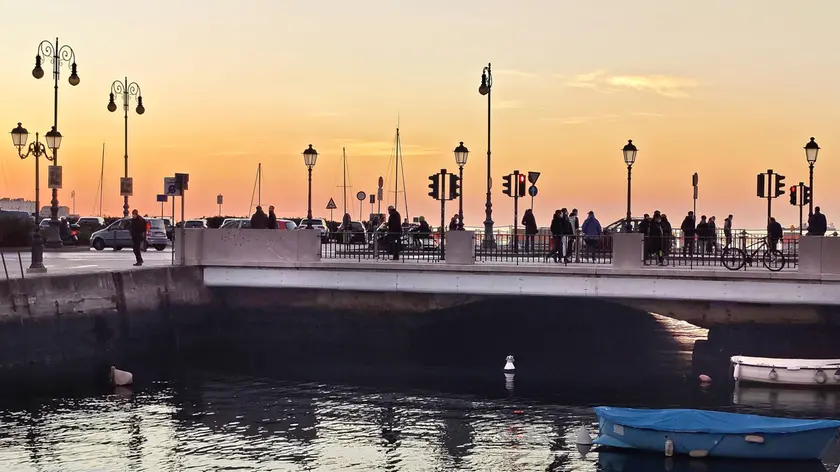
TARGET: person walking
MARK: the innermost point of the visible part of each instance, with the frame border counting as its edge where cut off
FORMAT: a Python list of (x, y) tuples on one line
[(817, 225), (727, 230), (689, 231), (711, 243), (531, 230), (272, 218), (345, 228), (394, 232), (137, 231), (556, 235), (657, 239), (566, 232), (667, 237), (258, 219), (591, 229), (774, 233)]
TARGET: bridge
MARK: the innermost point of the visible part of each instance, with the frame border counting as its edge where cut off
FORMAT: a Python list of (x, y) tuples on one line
[(705, 295)]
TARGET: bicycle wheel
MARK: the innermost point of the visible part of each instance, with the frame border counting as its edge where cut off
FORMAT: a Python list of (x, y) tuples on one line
[(733, 258), (774, 260)]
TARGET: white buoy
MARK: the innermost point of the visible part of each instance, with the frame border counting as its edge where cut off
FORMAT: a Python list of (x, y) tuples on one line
[(509, 367), (705, 378), (583, 449), (120, 378), (737, 373), (838, 469), (583, 438), (669, 448), (509, 381)]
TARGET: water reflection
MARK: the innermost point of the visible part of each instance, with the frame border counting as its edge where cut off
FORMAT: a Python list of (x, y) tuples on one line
[(639, 462)]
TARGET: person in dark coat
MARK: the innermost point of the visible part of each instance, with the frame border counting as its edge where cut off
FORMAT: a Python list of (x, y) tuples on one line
[(258, 219), (703, 234), (689, 231), (645, 224), (531, 230), (727, 230), (656, 236), (817, 225), (272, 219), (453, 223), (667, 237), (137, 230), (774, 233), (394, 231), (556, 234)]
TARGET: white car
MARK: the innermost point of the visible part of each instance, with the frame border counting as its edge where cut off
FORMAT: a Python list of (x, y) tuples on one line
[(319, 224)]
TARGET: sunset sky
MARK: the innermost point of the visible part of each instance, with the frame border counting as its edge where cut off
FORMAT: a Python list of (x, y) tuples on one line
[(726, 89)]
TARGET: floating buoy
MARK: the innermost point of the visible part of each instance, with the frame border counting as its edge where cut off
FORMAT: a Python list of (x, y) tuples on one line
[(737, 374), (583, 449), (837, 375), (705, 378), (773, 375), (820, 377), (120, 378), (669, 448), (583, 438), (509, 381), (509, 367)]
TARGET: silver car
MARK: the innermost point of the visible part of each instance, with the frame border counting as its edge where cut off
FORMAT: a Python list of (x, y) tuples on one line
[(318, 224), (117, 235)]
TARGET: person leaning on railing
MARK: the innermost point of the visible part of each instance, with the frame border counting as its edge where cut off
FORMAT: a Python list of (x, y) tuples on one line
[(531, 230)]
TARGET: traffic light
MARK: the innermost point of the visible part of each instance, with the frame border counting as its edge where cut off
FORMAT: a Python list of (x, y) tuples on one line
[(761, 190), (506, 188), (435, 186), (780, 185), (520, 187), (454, 186), (806, 195), (793, 200)]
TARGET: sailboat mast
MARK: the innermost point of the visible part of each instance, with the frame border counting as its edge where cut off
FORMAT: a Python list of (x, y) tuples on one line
[(259, 184), (397, 171), (344, 176), (101, 179)]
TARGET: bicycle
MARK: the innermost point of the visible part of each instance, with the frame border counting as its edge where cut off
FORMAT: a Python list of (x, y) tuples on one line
[(734, 258)]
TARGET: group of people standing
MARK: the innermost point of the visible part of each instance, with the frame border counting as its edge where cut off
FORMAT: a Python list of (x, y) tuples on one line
[(564, 228), (259, 220)]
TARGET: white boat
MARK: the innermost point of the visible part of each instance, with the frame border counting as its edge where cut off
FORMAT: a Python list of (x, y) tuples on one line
[(768, 370)]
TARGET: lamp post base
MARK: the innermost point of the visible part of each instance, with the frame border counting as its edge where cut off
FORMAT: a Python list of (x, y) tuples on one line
[(489, 241), (52, 236), (37, 264)]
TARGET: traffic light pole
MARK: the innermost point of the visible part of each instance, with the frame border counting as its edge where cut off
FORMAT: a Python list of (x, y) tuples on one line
[(443, 214), (801, 198), (770, 191), (515, 191)]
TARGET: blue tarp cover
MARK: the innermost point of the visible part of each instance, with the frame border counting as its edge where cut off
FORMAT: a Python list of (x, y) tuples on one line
[(703, 421)]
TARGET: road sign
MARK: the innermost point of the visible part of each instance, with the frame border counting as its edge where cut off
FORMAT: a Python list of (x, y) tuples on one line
[(169, 188), (54, 177), (532, 177), (694, 179), (372, 198), (162, 198), (381, 182), (126, 186), (532, 190), (331, 205), (219, 199), (361, 195), (379, 194)]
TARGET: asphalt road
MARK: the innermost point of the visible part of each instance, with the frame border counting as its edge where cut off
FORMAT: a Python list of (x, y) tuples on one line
[(82, 261)]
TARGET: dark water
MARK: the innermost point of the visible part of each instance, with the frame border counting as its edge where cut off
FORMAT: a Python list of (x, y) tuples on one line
[(435, 409)]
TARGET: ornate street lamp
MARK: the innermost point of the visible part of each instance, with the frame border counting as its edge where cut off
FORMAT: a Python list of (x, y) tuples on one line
[(484, 89), (629, 150), (127, 90), (310, 156), (58, 55), (36, 149), (461, 154), (812, 149)]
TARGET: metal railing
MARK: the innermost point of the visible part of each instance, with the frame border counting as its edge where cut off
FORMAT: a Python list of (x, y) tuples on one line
[(409, 246), (522, 248), (742, 250), (9, 263)]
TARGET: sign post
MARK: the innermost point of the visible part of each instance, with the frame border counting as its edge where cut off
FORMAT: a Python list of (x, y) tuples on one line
[(372, 201), (361, 197), (54, 177), (331, 206), (162, 199), (379, 195), (694, 180)]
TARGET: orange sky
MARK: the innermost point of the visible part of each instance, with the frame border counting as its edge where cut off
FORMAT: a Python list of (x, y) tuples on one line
[(720, 88)]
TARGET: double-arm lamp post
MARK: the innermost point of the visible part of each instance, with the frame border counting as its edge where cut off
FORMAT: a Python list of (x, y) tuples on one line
[(310, 156), (812, 149), (461, 154), (629, 150), (36, 149), (127, 90), (58, 55)]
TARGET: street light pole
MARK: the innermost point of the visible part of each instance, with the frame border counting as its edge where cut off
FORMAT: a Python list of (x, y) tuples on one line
[(36, 149), (310, 156), (58, 55), (461, 154), (485, 89), (127, 90), (629, 151), (812, 149)]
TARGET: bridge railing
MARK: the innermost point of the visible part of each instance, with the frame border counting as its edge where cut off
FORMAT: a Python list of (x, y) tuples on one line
[(380, 245), (742, 250), (544, 248), (12, 268)]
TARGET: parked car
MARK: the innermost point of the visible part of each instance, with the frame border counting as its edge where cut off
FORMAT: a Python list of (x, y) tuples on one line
[(319, 224), (94, 222), (286, 225), (195, 224), (236, 223), (117, 236), (619, 226), (358, 233)]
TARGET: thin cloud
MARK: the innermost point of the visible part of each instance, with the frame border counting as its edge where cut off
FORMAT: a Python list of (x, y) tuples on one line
[(515, 73), (508, 104), (646, 114), (665, 85)]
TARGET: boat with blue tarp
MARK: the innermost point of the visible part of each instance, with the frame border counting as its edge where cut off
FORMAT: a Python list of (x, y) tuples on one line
[(703, 433)]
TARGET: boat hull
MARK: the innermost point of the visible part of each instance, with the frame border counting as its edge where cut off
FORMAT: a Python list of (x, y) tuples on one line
[(789, 372), (805, 445)]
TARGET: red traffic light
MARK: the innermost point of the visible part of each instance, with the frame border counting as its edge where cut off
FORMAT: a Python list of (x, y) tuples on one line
[(793, 189), (522, 177)]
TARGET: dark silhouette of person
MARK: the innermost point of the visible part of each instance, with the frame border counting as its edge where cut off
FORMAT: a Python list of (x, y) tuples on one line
[(531, 230), (689, 231), (817, 225), (394, 231), (137, 231), (258, 219), (727, 230), (272, 218), (656, 236), (774, 233)]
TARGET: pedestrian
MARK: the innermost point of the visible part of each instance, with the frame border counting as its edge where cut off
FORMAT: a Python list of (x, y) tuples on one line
[(394, 232), (817, 225), (727, 230), (258, 219), (573, 245), (656, 236), (531, 230), (711, 242), (272, 218), (453, 223), (137, 231), (702, 234), (689, 231), (591, 233), (556, 235), (774, 233), (667, 238)]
